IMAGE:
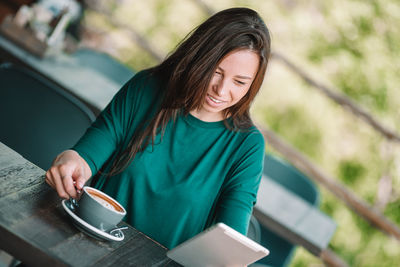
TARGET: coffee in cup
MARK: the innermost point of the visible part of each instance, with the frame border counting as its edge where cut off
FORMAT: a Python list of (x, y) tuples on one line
[(99, 209)]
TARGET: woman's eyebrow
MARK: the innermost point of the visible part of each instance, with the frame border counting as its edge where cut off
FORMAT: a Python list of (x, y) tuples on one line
[(238, 76), (243, 77)]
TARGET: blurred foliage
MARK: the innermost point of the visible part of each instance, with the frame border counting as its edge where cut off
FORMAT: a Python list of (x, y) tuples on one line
[(350, 45), (350, 171), (296, 126)]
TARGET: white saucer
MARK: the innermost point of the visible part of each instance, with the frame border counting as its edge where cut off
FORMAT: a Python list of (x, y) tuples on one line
[(89, 229)]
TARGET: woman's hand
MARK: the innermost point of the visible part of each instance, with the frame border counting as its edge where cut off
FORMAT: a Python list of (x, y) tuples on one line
[(68, 174)]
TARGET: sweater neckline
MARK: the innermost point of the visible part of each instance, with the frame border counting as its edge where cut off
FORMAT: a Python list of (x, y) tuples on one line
[(203, 124)]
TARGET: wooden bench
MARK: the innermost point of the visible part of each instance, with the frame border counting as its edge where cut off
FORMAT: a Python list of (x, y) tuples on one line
[(293, 218)]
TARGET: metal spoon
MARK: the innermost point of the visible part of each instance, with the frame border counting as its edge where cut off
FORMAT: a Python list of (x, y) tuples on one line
[(74, 203)]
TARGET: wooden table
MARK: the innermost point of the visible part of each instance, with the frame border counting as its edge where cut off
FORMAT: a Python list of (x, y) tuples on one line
[(36, 230), (293, 218)]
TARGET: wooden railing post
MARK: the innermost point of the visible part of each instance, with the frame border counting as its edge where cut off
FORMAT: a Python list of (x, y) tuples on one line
[(339, 99), (358, 205), (331, 259)]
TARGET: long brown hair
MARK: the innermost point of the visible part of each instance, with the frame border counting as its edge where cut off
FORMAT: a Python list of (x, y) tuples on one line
[(188, 70)]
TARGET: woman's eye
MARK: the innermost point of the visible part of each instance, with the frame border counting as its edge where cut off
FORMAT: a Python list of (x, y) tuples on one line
[(240, 82)]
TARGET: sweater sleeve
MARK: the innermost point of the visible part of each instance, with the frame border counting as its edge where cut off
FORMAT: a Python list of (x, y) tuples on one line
[(240, 191), (110, 127)]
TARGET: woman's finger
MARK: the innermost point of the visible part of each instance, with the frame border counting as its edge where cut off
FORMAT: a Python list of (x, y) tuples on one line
[(49, 180), (79, 178), (59, 186), (69, 186), (66, 172), (50, 183)]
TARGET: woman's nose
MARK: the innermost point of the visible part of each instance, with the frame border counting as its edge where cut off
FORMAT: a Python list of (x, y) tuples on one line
[(220, 88)]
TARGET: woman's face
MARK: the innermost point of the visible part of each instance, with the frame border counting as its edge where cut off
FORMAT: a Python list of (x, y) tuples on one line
[(230, 83)]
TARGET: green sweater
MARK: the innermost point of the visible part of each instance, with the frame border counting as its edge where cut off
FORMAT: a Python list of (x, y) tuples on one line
[(198, 174)]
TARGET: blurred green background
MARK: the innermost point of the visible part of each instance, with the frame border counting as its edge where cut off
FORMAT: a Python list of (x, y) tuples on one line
[(351, 46)]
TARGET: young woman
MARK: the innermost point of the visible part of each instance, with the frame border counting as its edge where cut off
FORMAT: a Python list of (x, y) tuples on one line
[(176, 145)]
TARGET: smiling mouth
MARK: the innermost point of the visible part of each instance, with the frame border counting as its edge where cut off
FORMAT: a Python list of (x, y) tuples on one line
[(215, 100)]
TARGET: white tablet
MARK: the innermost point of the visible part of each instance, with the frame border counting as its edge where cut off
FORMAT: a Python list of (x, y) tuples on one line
[(219, 245)]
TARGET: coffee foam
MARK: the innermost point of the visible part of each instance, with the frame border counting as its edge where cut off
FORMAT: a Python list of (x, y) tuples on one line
[(103, 200)]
